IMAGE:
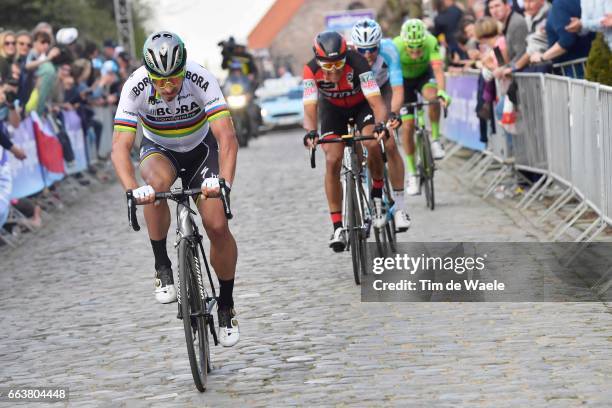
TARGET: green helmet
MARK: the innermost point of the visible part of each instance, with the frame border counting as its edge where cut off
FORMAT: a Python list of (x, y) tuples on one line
[(413, 33)]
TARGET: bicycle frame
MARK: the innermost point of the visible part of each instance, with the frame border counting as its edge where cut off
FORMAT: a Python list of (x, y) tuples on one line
[(351, 172), (186, 228), (425, 162)]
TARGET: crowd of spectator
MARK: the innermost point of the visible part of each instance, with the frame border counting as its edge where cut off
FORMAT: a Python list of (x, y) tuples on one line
[(48, 73), (503, 37), (51, 73), (537, 35)]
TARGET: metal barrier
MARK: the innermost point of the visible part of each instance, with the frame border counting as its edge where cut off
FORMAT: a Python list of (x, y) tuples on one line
[(529, 144), (574, 68), (105, 115), (605, 131), (564, 132), (586, 148), (557, 119)]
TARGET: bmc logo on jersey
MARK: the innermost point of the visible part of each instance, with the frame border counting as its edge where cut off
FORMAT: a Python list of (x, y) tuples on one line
[(310, 88), (368, 82)]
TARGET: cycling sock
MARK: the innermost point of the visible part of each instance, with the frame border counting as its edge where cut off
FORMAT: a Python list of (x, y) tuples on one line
[(435, 130), (160, 253), (410, 166), (336, 218), (226, 288), (377, 186), (398, 197)]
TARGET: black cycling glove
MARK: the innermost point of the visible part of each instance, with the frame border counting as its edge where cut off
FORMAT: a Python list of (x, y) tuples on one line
[(310, 135), (395, 116), (381, 128)]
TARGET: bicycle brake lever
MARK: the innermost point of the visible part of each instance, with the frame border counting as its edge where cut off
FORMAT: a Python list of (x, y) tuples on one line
[(313, 162), (444, 106), (131, 202), (225, 199)]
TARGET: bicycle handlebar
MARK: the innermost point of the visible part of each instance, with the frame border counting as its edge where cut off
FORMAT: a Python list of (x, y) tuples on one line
[(176, 195), (420, 105), (341, 140), (313, 162)]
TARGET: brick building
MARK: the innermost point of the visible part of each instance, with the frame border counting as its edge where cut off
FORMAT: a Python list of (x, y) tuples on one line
[(286, 32)]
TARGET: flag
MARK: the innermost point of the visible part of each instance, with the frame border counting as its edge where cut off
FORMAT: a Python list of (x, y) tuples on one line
[(49, 148)]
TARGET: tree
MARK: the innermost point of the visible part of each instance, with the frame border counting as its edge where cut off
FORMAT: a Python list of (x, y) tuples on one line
[(94, 19)]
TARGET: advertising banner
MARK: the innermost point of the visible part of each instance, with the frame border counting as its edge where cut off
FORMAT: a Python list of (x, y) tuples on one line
[(72, 124), (26, 174), (343, 21), (105, 116), (5, 186), (462, 125)]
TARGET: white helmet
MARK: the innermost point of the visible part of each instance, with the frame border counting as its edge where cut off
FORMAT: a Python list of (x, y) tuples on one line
[(164, 53), (366, 33)]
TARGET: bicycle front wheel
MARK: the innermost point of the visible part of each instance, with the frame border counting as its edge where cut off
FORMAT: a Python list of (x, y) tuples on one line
[(354, 241), (428, 172), (192, 309)]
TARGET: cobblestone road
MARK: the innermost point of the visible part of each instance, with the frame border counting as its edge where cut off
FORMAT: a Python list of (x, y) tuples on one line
[(78, 311)]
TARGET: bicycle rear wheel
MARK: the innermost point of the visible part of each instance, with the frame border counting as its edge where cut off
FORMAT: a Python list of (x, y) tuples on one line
[(192, 308), (390, 227)]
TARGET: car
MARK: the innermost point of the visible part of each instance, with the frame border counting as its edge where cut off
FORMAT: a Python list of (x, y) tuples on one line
[(283, 110)]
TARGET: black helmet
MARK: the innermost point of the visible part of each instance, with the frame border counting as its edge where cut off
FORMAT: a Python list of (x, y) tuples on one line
[(329, 46)]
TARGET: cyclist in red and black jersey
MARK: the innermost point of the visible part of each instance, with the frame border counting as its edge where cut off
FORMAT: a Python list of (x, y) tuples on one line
[(338, 85)]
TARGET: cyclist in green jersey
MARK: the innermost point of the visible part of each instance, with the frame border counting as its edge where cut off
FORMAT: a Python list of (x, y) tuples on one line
[(423, 72)]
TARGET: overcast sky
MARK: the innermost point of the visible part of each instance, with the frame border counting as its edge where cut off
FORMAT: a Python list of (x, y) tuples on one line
[(203, 23)]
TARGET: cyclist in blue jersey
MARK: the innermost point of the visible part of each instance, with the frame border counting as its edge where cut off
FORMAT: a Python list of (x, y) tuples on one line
[(188, 133), (384, 61)]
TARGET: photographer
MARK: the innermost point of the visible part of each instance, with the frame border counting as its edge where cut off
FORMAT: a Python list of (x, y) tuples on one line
[(232, 52)]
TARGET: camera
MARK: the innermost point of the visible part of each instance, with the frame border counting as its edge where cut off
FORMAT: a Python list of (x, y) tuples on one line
[(227, 46)]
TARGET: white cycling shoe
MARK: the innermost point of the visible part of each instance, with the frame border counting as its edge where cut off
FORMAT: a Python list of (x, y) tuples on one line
[(412, 185), (380, 217), (437, 151), (337, 242), (165, 292), (229, 331), (402, 221)]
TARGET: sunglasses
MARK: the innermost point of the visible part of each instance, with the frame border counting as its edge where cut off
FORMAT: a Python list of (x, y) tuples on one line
[(332, 65), (173, 81), (9, 43), (27, 44), (371, 50)]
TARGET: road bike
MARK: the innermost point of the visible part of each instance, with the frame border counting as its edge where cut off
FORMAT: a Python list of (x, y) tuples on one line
[(384, 236), (425, 162), (195, 300), (357, 211)]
